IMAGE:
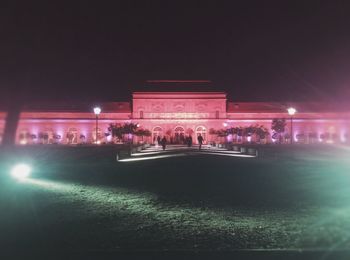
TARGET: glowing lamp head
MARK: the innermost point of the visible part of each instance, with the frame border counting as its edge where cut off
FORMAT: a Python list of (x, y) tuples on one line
[(21, 171), (291, 111), (224, 124), (97, 110), (138, 125)]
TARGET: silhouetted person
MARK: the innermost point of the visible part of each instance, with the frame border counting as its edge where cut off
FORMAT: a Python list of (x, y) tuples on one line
[(200, 141), (163, 141), (158, 140), (189, 141)]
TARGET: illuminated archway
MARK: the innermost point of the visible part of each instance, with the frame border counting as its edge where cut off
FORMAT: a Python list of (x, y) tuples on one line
[(24, 136), (96, 139), (157, 131), (179, 137), (49, 135), (201, 130), (72, 136)]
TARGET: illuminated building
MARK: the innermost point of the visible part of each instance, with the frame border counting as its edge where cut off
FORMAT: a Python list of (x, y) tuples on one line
[(177, 115)]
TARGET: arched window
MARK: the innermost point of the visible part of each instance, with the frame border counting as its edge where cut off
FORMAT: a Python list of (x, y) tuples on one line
[(96, 139), (72, 136), (48, 138), (157, 131), (179, 134), (24, 137)]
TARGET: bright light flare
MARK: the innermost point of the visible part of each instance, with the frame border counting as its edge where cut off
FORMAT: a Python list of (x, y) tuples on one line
[(23, 142), (291, 111), (97, 110), (21, 171)]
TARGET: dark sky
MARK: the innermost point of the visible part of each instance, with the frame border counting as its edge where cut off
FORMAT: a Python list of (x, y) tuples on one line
[(256, 50)]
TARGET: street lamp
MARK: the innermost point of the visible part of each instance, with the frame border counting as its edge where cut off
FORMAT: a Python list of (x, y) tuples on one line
[(291, 112), (97, 111)]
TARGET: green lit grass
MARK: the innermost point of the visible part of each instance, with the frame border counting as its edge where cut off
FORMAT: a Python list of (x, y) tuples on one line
[(296, 200)]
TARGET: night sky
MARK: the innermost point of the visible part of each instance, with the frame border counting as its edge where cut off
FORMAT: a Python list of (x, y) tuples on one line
[(256, 50)]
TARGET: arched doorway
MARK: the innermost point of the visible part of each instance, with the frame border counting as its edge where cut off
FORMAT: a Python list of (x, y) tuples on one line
[(201, 130), (157, 131), (24, 136), (49, 135), (72, 136), (96, 138), (179, 137)]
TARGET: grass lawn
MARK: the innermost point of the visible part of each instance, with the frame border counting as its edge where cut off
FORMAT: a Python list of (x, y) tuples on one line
[(290, 199)]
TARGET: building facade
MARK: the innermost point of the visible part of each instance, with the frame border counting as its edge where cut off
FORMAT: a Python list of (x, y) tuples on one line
[(177, 115)]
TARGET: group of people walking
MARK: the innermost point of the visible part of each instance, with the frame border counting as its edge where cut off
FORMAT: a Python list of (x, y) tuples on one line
[(189, 141)]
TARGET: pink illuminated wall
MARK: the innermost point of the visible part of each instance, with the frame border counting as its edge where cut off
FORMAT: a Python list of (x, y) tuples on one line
[(65, 128), (180, 114)]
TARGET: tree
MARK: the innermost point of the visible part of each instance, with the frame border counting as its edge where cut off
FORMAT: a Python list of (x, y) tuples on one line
[(143, 132), (116, 130), (119, 131), (56, 138), (129, 129), (262, 132), (220, 132), (278, 127)]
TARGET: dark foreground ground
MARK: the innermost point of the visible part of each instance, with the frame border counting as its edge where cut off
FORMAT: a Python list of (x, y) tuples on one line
[(291, 202)]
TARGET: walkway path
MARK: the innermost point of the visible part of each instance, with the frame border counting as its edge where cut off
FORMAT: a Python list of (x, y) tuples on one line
[(156, 152)]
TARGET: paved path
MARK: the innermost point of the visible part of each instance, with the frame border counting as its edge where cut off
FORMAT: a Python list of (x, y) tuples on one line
[(156, 152)]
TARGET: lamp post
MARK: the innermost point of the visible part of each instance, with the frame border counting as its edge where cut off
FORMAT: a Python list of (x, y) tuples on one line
[(291, 112), (97, 111)]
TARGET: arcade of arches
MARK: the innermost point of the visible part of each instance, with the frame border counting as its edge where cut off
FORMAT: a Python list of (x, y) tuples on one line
[(178, 134)]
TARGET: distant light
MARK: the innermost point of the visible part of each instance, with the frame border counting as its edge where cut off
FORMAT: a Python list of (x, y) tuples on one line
[(21, 171), (291, 111), (138, 125), (23, 142), (224, 124), (97, 110)]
